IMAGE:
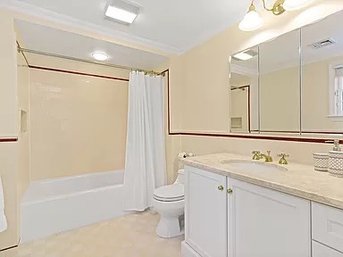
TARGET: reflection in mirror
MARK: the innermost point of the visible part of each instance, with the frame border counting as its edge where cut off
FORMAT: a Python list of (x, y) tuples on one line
[(322, 50), (280, 84), (244, 91)]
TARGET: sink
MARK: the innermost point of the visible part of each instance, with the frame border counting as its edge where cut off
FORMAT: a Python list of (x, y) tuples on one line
[(242, 165)]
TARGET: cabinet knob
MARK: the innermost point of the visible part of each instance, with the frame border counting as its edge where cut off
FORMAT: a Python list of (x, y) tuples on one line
[(220, 188), (229, 191)]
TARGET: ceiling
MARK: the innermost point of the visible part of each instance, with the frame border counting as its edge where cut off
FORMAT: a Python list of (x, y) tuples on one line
[(173, 26), (48, 40)]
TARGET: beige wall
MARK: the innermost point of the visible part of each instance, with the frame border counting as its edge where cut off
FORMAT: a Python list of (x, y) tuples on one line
[(23, 79), (316, 83), (199, 79), (8, 70), (78, 123), (280, 100), (14, 157)]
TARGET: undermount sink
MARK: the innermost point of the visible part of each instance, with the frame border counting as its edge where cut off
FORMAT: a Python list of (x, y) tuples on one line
[(242, 165)]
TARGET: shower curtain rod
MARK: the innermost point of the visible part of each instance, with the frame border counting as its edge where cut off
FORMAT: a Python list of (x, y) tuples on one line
[(25, 50)]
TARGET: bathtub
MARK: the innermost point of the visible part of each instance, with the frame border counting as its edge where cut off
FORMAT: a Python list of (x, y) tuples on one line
[(56, 205)]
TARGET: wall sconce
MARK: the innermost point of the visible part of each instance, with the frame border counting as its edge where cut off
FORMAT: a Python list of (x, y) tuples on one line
[(253, 21)]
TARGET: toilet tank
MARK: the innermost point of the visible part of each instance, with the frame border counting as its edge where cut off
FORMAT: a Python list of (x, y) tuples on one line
[(180, 176)]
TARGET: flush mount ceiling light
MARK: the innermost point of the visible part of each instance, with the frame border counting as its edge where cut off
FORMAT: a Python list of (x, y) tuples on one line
[(121, 11), (100, 56), (253, 21), (244, 56)]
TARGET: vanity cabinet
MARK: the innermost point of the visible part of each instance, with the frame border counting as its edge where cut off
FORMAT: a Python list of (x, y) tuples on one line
[(264, 222), (205, 213), (327, 226), (226, 217)]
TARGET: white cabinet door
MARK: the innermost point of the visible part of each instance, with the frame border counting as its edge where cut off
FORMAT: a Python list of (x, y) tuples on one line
[(267, 223), (327, 225), (320, 250), (206, 212)]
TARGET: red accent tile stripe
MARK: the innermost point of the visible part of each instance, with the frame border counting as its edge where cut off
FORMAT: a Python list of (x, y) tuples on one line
[(8, 139), (77, 73)]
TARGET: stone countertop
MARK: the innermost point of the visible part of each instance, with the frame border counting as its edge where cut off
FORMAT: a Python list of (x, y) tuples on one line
[(299, 180)]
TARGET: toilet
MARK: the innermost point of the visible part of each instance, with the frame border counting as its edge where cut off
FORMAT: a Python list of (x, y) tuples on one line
[(169, 202)]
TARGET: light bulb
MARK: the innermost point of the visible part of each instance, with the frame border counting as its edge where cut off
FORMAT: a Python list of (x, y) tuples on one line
[(252, 20), (290, 5), (100, 56)]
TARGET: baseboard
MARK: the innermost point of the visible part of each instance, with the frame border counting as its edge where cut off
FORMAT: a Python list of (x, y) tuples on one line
[(187, 251)]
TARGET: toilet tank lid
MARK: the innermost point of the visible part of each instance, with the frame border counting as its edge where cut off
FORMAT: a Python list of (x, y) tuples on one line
[(170, 191)]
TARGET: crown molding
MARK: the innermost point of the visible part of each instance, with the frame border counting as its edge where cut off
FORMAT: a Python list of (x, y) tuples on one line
[(37, 15)]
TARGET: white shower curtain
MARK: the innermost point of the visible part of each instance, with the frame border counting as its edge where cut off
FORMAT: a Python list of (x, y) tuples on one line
[(145, 166)]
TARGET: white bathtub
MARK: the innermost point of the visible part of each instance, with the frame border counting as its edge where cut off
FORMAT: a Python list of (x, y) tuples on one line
[(56, 205)]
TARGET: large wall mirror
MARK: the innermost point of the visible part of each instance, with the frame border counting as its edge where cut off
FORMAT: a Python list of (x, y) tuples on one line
[(322, 83), (291, 84)]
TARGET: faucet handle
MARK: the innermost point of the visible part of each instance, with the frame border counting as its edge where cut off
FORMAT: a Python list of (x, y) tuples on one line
[(283, 159), (256, 155)]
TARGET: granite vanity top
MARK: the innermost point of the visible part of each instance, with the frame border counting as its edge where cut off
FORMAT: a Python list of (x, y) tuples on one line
[(299, 180)]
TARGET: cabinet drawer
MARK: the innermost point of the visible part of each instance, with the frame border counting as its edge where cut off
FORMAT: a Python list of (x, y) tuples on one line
[(327, 225), (320, 250)]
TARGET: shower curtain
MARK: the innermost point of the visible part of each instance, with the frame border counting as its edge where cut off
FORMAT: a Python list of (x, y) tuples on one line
[(145, 164)]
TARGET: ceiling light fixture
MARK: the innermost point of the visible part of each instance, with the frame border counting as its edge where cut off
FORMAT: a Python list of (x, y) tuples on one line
[(253, 21), (121, 11), (245, 55), (100, 56), (242, 56)]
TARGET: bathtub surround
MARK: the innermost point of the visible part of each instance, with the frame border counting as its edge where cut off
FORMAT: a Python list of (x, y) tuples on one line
[(3, 220), (78, 122), (145, 165)]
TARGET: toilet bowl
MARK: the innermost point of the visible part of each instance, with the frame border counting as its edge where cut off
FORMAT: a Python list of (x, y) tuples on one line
[(169, 202)]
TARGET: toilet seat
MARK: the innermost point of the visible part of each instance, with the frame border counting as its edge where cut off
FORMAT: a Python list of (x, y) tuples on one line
[(170, 193)]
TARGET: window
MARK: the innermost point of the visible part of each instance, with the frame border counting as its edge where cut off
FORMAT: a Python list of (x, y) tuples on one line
[(338, 91)]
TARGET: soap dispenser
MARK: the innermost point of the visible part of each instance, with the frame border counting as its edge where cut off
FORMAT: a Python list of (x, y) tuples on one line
[(336, 159), (336, 146)]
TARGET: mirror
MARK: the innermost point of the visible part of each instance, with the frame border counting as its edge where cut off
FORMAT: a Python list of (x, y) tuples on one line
[(280, 84), (265, 87), (291, 84), (244, 91), (322, 98)]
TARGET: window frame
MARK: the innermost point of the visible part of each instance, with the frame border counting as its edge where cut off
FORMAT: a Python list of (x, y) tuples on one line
[(332, 90)]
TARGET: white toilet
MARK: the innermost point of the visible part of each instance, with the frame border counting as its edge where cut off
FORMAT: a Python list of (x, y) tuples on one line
[(169, 203)]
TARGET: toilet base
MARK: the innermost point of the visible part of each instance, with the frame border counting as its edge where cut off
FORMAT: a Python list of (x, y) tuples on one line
[(169, 227)]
